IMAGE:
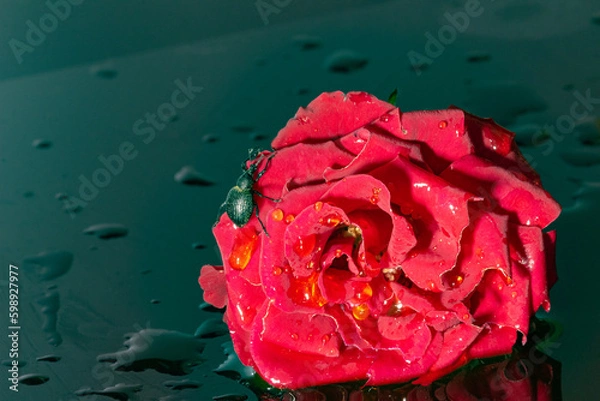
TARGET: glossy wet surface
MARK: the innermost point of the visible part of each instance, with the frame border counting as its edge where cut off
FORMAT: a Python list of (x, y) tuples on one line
[(119, 141)]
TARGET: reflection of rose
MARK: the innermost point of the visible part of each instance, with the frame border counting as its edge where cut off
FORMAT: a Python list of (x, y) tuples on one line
[(404, 245), (529, 376)]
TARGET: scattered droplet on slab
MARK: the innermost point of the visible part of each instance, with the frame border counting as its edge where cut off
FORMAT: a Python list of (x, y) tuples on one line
[(61, 196), (212, 328), (302, 91), (232, 367), (50, 304), (307, 42), (596, 19), (155, 301), (182, 384), (120, 392), (530, 135), (588, 131), (33, 379), (48, 358), (478, 57), (198, 245), (105, 70), (28, 194), (41, 144), (48, 265), (258, 136), (107, 230), (165, 351), (210, 138), (9, 362), (187, 175), (345, 62)]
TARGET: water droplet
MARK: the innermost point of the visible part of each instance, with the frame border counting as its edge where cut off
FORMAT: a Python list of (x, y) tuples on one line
[(105, 70), (258, 136), (210, 138), (121, 391), (307, 42), (305, 291), (294, 336), (243, 248), (165, 351), (584, 157), (289, 218), (155, 301), (211, 328), (187, 175), (277, 214), (513, 294), (384, 118), (32, 379), (478, 57), (48, 358), (361, 311), (182, 384), (304, 246), (479, 252), (325, 339), (48, 265), (443, 124), (331, 221), (107, 230), (41, 144), (318, 206), (50, 304), (338, 253), (345, 62), (243, 128), (277, 271), (363, 294)]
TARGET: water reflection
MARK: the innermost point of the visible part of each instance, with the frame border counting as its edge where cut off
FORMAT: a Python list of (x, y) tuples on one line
[(527, 375)]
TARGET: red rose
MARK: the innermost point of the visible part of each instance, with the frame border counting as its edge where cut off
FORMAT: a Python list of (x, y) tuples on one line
[(404, 245)]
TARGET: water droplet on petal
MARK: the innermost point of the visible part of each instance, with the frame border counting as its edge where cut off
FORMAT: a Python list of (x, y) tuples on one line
[(318, 206), (305, 245), (289, 218), (277, 214), (294, 336), (443, 124), (243, 248), (277, 271), (361, 311)]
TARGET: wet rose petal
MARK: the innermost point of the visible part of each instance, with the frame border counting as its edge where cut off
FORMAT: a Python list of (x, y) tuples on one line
[(213, 279)]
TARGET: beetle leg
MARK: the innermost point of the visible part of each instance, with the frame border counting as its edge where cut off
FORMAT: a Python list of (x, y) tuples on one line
[(261, 223), (267, 197), (260, 174)]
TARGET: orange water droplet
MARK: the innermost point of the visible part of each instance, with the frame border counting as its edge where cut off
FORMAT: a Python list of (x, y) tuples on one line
[(277, 271), (362, 257), (500, 287), (443, 124), (289, 218), (374, 199), (479, 252), (338, 253), (294, 336), (331, 221), (305, 291), (431, 286), (318, 205), (310, 265), (457, 281), (277, 214), (361, 312), (362, 294), (243, 248), (466, 316), (513, 294), (305, 245), (325, 338)]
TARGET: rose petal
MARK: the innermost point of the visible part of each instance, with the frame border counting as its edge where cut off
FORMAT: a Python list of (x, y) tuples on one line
[(502, 300), (524, 202), (438, 216), (493, 341), (528, 242), (302, 332), (302, 369), (329, 116), (550, 248), (212, 281), (407, 332), (389, 366), (456, 341), (441, 134), (483, 246)]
